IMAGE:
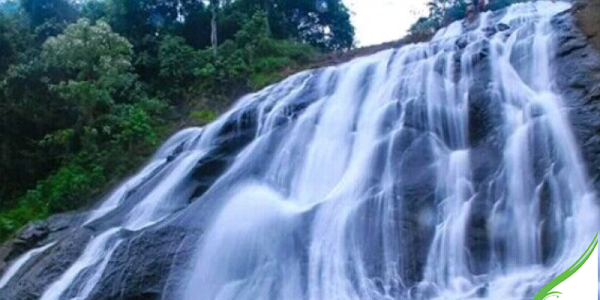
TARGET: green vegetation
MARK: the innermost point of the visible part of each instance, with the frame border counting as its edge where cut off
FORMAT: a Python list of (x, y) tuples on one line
[(444, 12), (88, 89), (203, 116)]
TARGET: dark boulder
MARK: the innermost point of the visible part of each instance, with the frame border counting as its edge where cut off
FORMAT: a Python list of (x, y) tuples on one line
[(36, 234), (147, 265), (34, 278), (502, 27)]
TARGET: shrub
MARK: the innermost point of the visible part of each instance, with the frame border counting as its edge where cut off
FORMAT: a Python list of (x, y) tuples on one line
[(203, 116)]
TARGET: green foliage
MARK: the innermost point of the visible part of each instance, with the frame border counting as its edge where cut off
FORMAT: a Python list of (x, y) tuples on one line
[(89, 52), (61, 191), (17, 217), (95, 9), (300, 20), (444, 12), (71, 112), (58, 193), (49, 17), (251, 60), (30, 111), (326, 26), (95, 79), (133, 124), (14, 38), (204, 116), (42, 11), (178, 68), (84, 104), (264, 57)]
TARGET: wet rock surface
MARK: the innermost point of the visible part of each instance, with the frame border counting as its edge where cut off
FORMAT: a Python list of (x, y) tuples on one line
[(578, 78), (35, 276), (143, 269), (37, 234)]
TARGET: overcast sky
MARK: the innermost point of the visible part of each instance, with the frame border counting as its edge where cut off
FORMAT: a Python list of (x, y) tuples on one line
[(378, 21)]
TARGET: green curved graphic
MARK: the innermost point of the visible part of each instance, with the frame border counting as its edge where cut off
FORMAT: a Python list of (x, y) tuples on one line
[(545, 293), (550, 295)]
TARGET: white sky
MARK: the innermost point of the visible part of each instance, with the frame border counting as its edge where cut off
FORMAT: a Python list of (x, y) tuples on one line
[(378, 21)]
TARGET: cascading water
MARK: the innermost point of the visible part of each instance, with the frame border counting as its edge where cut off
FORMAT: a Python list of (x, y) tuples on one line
[(385, 149), (442, 170)]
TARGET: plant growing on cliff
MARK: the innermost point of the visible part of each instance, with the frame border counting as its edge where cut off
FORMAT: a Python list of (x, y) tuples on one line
[(444, 12), (87, 99)]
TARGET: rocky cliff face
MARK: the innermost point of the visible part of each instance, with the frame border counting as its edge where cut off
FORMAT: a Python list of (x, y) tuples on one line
[(143, 269), (140, 271), (577, 67)]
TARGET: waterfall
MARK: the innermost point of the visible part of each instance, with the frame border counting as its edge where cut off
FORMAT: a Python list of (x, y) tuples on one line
[(440, 170), (374, 194), (14, 268)]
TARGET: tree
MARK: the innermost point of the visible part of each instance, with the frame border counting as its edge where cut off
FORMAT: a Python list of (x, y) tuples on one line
[(41, 11), (82, 101), (196, 28), (145, 22), (14, 38), (178, 64), (444, 12), (95, 10), (214, 7), (30, 111), (326, 25), (96, 69), (137, 19), (49, 17)]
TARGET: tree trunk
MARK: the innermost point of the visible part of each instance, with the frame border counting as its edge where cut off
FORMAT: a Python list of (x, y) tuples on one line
[(213, 34)]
